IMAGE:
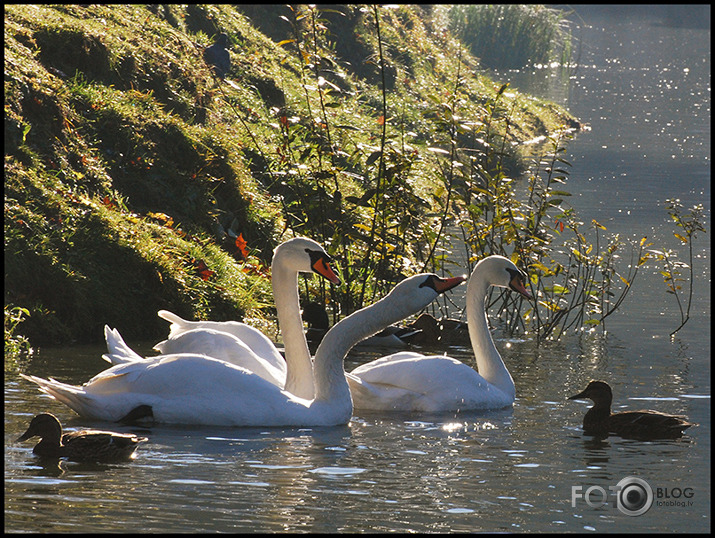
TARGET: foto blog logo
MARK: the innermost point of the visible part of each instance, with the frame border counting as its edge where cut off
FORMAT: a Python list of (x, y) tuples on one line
[(633, 496)]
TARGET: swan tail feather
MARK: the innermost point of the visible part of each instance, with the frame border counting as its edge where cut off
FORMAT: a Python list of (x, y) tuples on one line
[(117, 347), (178, 324), (73, 397)]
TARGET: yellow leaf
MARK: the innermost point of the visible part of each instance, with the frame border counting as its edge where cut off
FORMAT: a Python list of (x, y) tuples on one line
[(683, 239)]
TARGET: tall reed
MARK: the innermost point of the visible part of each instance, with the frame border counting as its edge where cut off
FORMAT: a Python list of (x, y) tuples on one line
[(512, 36)]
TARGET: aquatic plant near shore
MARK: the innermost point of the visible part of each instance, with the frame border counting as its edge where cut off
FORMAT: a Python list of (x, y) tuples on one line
[(17, 346), (577, 282), (690, 223)]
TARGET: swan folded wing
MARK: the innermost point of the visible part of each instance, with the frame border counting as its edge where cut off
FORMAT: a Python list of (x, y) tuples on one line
[(424, 383), (258, 342), (388, 359), (226, 347), (404, 382), (382, 396), (409, 370)]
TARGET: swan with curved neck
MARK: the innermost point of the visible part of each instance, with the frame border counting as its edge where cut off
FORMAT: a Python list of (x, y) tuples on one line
[(196, 389), (246, 346), (413, 382)]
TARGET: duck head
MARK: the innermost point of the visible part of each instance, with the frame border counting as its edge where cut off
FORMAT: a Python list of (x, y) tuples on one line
[(598, 391), (44, 425)]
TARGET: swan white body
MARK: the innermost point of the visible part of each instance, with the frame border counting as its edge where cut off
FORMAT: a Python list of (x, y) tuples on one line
[(409, 381), (188, 337), (196, 389), (246, 346), (225, 347)]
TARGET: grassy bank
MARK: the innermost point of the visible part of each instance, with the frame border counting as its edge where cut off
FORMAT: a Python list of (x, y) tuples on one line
[(134, 180)]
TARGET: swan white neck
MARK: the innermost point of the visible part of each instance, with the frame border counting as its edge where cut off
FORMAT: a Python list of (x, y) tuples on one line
[(489, 363), (299, 379), (330, 382)]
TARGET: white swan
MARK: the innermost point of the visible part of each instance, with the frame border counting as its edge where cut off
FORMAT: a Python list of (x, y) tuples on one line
[(196, 389), (246, 346), (408, 381), (224, 346)]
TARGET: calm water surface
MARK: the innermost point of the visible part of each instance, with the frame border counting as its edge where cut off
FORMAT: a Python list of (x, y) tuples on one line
[(511, 470)]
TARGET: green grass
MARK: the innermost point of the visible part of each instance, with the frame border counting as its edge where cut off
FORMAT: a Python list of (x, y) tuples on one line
[(126, 162)]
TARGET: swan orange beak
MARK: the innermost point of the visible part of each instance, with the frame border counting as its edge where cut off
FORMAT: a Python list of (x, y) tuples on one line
[(322, 267), (517, 284), (446, 284)]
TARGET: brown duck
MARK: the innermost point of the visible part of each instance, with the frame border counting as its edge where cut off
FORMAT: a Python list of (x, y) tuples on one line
[(644, 424), (84, 445)]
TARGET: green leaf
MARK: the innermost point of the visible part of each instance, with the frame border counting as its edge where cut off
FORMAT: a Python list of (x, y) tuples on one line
[(374, 156)]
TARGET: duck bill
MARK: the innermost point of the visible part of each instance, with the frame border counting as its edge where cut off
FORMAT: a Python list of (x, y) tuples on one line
[(25, 436), (446, 284), (579, 396), (323, 268)]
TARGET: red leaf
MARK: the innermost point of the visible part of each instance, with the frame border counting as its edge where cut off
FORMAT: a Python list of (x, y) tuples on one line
[(241, 244), (108, 202), (202, 269)]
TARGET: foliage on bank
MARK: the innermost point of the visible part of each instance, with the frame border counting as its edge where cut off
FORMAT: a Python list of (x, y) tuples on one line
[(134, 180)]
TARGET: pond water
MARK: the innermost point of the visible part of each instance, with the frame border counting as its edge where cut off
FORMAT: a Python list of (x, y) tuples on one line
[(644, 87)]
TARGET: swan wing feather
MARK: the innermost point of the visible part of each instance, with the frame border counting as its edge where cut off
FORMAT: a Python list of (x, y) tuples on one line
[(410, 382), (258, 342), (117, 349), (226, 347)]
